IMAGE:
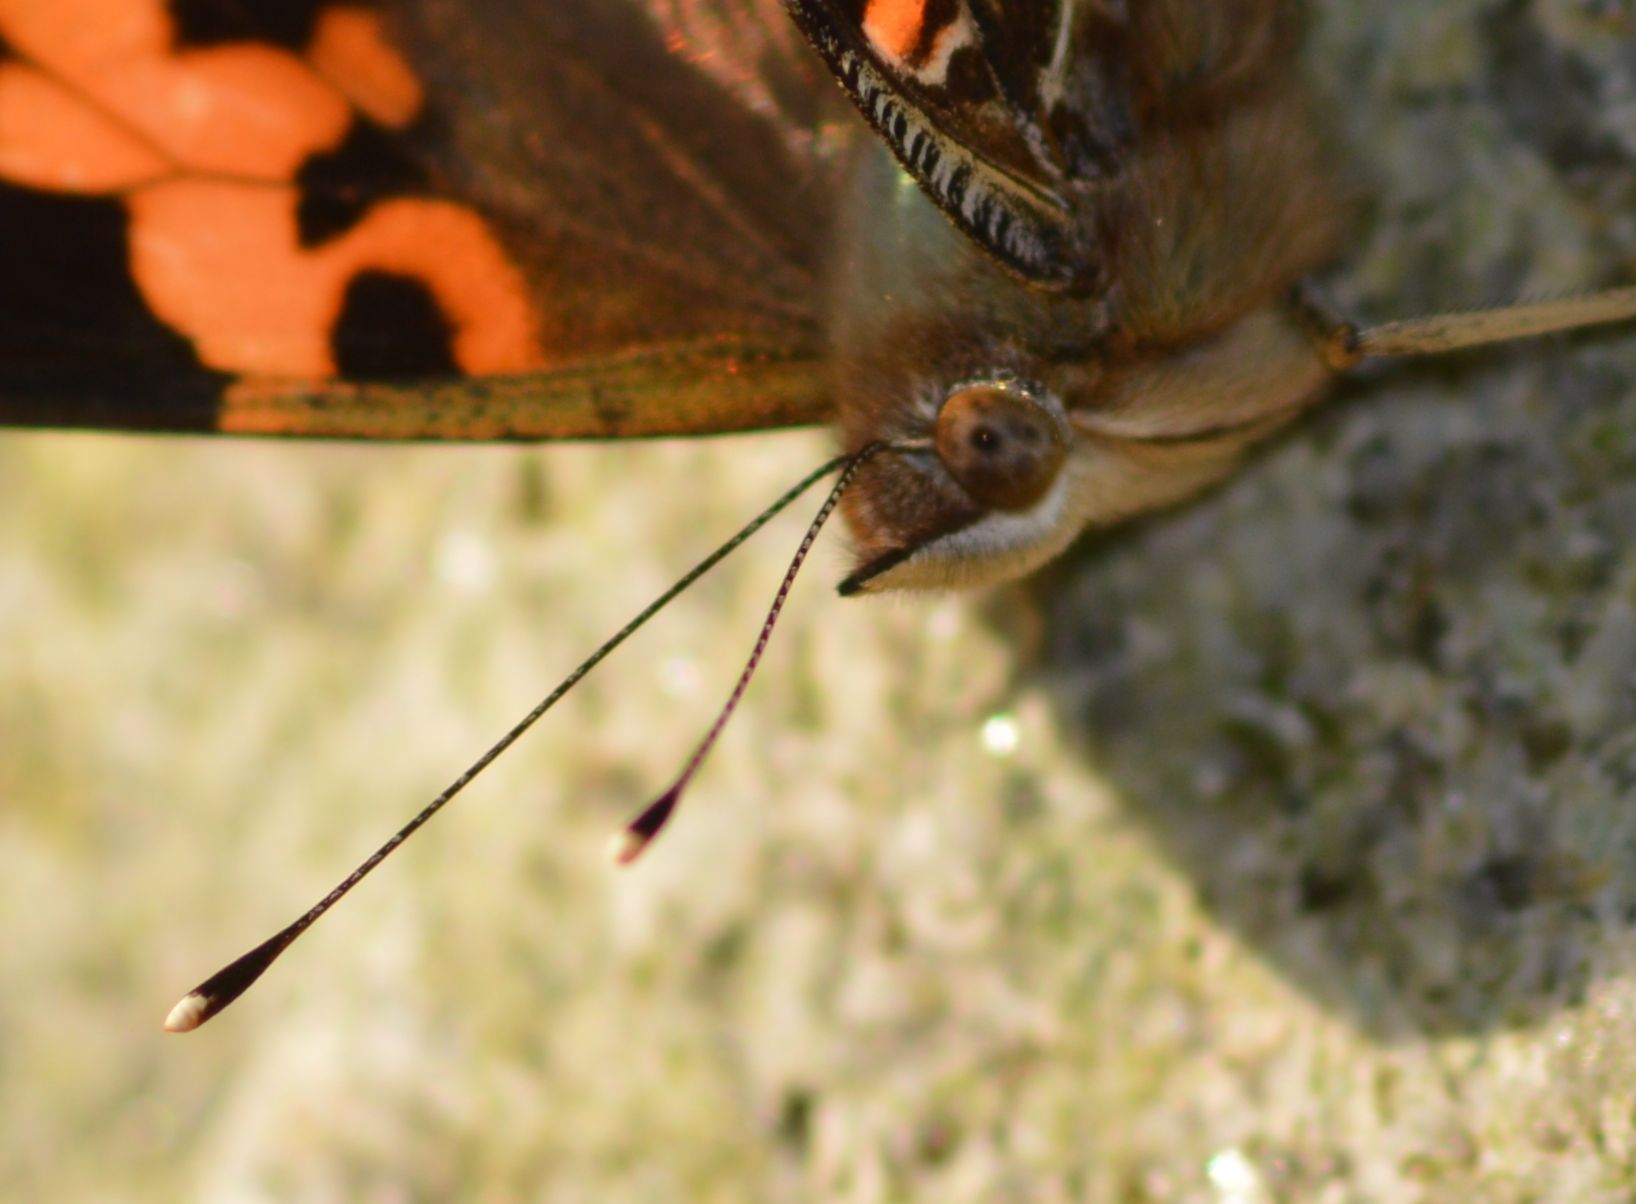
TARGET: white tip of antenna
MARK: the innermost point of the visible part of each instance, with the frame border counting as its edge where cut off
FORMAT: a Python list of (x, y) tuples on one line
[(187, 1015), (624, 847)]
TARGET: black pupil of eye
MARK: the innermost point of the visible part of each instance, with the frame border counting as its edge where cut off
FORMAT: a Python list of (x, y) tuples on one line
[(1005, 449)]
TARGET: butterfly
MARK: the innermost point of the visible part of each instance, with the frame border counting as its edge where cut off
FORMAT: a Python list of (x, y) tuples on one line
[(1049, 264), (1060, 245)]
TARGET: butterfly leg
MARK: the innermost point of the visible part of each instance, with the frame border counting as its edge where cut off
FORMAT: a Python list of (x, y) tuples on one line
[(1344, 345), (1334, 334)]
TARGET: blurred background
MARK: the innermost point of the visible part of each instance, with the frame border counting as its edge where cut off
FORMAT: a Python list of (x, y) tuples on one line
[(1278, 849)]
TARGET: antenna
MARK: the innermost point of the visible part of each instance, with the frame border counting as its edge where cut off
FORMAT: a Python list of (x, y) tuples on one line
[(630, 841), (232, 980)]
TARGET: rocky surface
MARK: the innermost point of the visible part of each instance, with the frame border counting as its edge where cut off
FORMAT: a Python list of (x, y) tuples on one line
[(1277, 849)]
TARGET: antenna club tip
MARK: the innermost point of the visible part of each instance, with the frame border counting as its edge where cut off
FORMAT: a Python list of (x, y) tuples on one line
[(192, 1011), (626, 845)]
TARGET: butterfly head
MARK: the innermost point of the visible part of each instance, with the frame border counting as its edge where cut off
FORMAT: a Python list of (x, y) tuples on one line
[(978, 495), (995, 472)]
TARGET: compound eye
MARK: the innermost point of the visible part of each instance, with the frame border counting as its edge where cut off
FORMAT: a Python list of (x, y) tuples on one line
[(1004, 447)]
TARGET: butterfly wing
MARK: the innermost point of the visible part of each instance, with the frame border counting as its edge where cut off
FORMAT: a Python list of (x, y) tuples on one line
[(961, 91), (411, 219)]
